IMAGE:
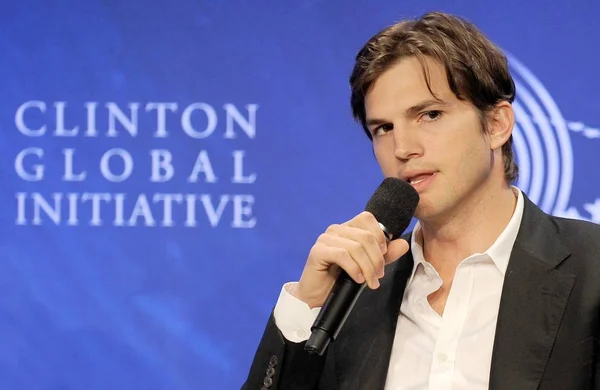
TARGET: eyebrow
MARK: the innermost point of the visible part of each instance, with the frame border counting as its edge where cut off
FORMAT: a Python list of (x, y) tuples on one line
[(409, 111)]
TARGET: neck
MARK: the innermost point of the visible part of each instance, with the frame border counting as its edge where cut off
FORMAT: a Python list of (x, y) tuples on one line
[(470, 228)]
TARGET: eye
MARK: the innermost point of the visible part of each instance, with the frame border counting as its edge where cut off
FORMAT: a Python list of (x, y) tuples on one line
[(431, 116), (379, 130)]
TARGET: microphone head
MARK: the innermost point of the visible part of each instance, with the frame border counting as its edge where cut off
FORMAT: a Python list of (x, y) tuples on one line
[(393, 204)]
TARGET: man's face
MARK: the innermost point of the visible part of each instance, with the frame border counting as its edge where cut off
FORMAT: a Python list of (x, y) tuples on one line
[(438, 146)]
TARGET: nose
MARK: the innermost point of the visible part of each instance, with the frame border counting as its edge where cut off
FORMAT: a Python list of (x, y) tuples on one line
[(407, 144)]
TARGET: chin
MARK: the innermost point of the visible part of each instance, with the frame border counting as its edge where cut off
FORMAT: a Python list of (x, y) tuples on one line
[(425, 210), (429, 210)]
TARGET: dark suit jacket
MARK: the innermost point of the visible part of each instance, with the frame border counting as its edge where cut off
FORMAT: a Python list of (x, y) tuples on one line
[(547, 336)]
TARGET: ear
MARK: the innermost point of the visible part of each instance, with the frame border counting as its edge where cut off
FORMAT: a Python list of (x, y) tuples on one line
[(500, 124)]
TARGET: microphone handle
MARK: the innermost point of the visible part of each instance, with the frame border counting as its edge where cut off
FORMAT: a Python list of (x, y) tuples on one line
[(334, 313), (335, 310)]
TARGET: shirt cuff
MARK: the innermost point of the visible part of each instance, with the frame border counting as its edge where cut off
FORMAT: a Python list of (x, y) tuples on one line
[(293, 317)]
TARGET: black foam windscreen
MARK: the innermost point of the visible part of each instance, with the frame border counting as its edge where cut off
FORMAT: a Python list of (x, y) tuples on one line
[(393, 204)]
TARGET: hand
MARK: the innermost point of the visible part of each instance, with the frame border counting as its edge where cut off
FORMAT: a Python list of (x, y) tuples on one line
[(358, 247)]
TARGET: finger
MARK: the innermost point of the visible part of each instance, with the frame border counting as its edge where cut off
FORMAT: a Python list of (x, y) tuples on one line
[(396, 249), (369, 241), (358, 254), (339, 258), (367, 221)]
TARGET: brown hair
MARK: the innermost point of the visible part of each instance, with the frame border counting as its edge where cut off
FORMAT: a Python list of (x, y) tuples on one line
[(477, 70)]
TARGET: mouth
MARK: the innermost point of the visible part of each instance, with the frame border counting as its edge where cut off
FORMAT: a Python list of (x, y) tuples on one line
[(420, 180)]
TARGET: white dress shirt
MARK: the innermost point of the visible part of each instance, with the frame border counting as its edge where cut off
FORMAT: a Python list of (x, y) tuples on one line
[(448, 352)]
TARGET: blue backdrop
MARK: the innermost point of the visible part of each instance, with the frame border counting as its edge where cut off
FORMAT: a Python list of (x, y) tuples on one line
[(166, 167)]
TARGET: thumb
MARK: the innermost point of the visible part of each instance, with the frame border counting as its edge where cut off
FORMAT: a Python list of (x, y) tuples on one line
[(395, 250)]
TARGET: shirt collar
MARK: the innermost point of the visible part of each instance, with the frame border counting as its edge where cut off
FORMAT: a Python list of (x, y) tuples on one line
[(500, 250)]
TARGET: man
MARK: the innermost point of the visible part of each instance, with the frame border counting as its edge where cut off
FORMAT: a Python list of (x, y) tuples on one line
[(491, 292)]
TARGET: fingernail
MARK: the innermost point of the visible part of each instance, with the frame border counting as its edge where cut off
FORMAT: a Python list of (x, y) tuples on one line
[(361, 278), (375, 283), (383, 248)]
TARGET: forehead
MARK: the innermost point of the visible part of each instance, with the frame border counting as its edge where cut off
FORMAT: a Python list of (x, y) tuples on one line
[(403, 85)]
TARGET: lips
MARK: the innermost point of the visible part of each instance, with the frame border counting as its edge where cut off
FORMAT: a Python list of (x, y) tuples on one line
[(418, 178)]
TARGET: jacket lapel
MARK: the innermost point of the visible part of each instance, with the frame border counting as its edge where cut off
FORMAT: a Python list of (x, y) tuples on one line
[(371, 329), (533, 300)]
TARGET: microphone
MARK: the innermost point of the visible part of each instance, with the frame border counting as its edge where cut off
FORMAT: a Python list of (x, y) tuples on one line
[(393, 204)]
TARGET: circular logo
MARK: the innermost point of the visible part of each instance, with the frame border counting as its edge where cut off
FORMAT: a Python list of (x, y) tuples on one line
[(541, 143)]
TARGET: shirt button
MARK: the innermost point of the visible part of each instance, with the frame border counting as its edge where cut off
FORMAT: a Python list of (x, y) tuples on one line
[(442, 357), (301, 333)]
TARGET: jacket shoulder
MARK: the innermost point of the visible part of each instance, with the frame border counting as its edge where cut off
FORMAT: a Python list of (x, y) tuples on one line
[(578, 234)]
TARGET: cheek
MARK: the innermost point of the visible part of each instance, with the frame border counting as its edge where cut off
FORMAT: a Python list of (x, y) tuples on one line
[(473, 162), (460, 155), (384, 155)]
